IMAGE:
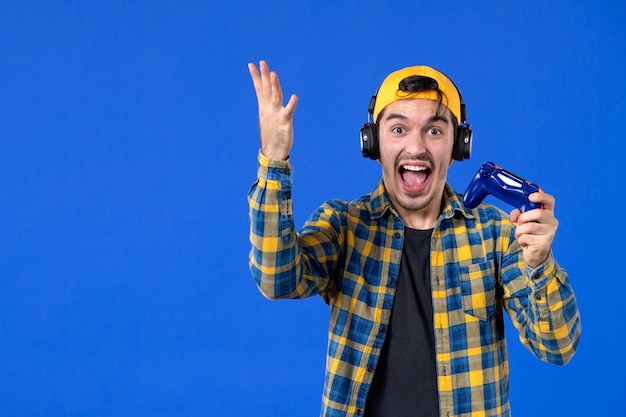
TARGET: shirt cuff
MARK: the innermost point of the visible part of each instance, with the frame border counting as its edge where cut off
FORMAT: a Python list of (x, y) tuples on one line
[(540, 275), (274, 169)]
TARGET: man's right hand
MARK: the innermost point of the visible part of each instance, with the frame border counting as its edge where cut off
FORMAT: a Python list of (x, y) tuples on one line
[(275, 121)]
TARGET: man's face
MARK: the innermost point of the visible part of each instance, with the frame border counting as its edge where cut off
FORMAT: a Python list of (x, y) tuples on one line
[(415, 152)]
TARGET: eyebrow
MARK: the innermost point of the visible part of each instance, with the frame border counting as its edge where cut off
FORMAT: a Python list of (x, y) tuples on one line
[(434, 118), (440, 117), (396, 116)]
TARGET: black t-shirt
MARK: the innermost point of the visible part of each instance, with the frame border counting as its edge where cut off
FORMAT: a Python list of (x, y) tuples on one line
[(405, 379)]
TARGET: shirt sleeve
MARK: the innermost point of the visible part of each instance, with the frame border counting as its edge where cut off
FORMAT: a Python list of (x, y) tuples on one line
[(277, 261), (542, 306)]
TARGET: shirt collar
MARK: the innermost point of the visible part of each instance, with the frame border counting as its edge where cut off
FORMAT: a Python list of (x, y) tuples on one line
[(452, 203), (379, 203)]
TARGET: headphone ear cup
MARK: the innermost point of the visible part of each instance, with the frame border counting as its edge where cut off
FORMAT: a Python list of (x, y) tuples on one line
[(462, 143), (369, 141)]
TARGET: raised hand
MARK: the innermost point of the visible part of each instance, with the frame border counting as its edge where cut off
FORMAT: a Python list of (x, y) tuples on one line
[(275, 120)]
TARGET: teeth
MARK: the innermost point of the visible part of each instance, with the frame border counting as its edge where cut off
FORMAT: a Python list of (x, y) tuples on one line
[(413, 168)]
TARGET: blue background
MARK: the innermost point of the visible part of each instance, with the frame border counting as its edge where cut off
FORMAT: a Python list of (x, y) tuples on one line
[(128, 142)]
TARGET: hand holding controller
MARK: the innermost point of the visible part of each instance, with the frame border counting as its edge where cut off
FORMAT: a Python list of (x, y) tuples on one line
[(493, 180)]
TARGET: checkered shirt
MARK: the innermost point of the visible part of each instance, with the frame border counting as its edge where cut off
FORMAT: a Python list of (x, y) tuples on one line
[(349, 253)]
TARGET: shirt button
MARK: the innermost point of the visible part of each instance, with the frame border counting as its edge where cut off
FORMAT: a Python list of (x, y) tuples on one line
[(359, 412), (397, 235), (285, 170), (382, 328), (370, 368)]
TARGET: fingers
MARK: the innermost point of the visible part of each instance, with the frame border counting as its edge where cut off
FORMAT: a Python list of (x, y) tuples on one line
[(544, 214), (514, 215), (536, 242), (536, 229), (256, 77), (276, 92), (546, 200), (268, 90), (291, 105), (260, 79), (266, 84), (275, 120)]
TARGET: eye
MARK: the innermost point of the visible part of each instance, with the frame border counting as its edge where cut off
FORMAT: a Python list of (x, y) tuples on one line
[(398, 129), (435, 131)]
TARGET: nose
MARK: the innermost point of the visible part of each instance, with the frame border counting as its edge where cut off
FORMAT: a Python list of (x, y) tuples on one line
[(415, 143)]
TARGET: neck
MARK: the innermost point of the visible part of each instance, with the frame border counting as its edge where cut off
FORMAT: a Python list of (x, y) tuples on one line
[(424, 219)]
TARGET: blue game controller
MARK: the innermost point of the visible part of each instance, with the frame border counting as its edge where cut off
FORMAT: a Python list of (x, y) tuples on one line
[(493, 180)]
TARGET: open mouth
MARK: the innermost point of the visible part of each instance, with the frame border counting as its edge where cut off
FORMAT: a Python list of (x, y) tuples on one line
[(414, 177)]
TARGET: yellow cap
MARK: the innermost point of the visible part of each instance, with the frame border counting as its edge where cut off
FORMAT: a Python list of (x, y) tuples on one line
[(389, 90)]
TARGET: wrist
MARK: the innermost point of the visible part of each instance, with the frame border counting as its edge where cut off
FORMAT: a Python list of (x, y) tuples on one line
[(274, 154)]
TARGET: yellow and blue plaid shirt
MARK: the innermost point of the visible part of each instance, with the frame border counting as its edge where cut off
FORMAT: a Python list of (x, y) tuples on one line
[(349, 253)]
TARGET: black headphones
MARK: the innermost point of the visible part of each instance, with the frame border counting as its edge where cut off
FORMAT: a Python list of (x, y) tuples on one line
[(461, 149)]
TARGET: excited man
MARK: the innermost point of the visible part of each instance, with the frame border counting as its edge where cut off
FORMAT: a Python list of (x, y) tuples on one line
[(417, 283)]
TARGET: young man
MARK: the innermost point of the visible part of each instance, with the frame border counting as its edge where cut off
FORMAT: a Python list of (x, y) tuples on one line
[(416, 282)]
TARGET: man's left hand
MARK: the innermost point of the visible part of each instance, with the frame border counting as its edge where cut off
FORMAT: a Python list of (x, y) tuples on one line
[(536, 229)]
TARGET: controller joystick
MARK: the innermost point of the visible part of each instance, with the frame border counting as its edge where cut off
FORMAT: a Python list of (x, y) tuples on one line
[(493, 180)]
